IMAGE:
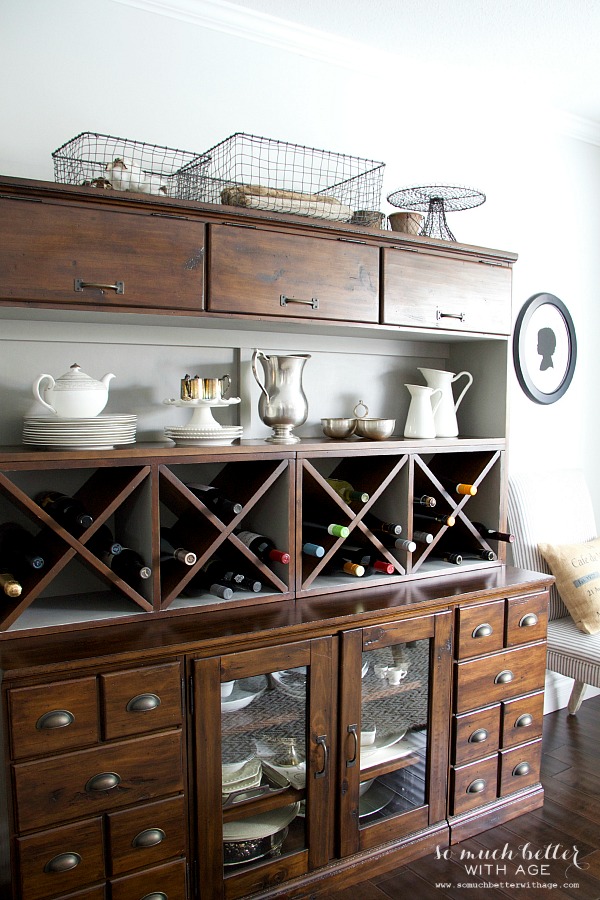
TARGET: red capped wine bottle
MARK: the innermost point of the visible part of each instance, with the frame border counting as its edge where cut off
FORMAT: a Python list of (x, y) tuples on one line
[(215, 500), (263, 547), (493, 535), (67, 511)]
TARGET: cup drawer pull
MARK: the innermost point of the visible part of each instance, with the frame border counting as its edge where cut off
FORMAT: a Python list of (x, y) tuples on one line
[(104, 781), (64, 862), (151, 837), (504, 677), (483, 630), (477, 786), (56, 718), (524, 721), (528, 621), (523, 768), (479, 736), (143, 703), (313, 302)]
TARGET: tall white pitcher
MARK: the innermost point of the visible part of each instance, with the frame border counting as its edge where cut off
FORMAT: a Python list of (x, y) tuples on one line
[(446, 424), (419, 422)]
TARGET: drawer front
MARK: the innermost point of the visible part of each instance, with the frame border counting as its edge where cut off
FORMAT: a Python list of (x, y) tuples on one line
[(500, 676), (161, 883), (61, 860), (474, 785), (53, 717), (435, 291), (97, 780), (522, 719), (526, 619), (520, 767), (480, 629), (141, 700), (264, 273), (476, 734), (147, 834), (95, 893)]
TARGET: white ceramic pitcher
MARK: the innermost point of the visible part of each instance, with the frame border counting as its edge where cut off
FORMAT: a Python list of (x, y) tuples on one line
[(420, 422), (446, 424)]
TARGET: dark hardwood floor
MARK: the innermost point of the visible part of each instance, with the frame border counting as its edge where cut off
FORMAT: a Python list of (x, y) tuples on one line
[(568, 824)]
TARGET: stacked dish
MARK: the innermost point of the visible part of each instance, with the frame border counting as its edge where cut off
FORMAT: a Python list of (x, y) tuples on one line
[(94, 433), (187, 436), (256, 836)]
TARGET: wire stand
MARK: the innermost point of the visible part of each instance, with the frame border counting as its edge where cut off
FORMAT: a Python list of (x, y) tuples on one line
[(435, 200)]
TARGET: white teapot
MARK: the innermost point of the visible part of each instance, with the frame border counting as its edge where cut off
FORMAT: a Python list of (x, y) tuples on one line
[(74, 395)]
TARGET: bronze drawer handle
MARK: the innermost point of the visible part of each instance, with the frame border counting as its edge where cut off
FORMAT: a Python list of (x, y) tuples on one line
[(523, 768), (528, 621), (322, 740), (64, 862), (313, 302), (479, 736), (143, 703), (151, 837), (352, 729), (504, 677), (444, 315), (477, 786), (56, 718), (524, 721), (104, 781), (118, 287), (155, 895), (483, 630)]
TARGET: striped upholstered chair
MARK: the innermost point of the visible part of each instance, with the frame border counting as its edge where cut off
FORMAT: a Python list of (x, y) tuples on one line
[(556, 508)]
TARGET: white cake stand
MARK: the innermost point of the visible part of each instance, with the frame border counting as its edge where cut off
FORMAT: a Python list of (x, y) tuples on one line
[(202, 418)]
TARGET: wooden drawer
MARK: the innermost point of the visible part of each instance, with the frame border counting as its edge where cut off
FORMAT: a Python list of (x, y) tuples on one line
[(476, 734), (520, 767), (526, 619), (141, 700), (474, 784), (480, 629), (260, 272), (95, 893), (436, 291), (522, 719), (61, 860), (147, 834), (97, 780), (499, 676), (161, 883), (53, 717)]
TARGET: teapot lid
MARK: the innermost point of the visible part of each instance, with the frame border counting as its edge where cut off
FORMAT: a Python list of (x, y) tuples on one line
[(75, 379)]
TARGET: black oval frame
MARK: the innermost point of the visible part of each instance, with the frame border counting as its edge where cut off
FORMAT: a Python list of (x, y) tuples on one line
[(523, 375)]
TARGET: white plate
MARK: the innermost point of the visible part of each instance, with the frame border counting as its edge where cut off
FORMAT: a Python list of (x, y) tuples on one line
[(247, 776), (261, 825), (64, 420), (383, 740), (374, 799), (203, 432), (245, 690)]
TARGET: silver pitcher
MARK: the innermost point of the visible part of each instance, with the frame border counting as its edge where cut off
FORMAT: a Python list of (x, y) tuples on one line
[(282, 404)]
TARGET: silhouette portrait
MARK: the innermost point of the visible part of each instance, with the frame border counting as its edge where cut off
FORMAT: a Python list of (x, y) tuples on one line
[(546, 347)]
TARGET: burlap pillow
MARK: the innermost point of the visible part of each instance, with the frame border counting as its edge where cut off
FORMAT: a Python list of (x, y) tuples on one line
[(576, 568)]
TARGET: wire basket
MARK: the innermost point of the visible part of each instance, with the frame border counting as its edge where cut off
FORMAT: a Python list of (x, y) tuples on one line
[(145, 168), (250, 171)]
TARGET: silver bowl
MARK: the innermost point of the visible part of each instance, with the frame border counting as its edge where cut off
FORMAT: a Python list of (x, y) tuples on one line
[(338, 428), (236, 852), (375, 429)]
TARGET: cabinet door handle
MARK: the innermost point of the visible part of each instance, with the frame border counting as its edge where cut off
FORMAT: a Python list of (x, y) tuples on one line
[(118, 287), (322, 740), (143, 703), (155, 895), (483, 630), (313, 302), (504, 677), (523, 768), (150, 837), (479, 736), (64, 862), (444, 315), (524, 721), (352, 729), (104, 781), (528, 621), (56, 718), (476, 787)]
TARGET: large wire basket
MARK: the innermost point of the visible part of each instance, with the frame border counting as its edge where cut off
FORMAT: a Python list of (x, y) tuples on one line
[(90, 158), (261, 173)]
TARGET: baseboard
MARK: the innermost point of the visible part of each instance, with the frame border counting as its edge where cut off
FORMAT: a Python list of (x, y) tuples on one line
[(558, 691)]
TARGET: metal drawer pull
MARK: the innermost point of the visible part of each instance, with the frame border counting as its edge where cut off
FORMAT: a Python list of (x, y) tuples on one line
[(524, 721), (322, 740), (528, 621), (155, 895), (479, 736), (352, 729), (483, 630), (442, 315), (64, 862), (143, 703), (56, 718), (522, 769), (476, 787), (118, 287), (283, 301), (504, 677), (151, 837), (104, 781)]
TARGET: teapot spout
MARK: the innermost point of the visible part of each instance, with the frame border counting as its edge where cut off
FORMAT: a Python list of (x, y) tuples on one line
[(106, 379)]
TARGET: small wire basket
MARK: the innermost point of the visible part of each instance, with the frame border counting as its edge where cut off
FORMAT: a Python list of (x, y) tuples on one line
[(261, 173), (91, 158)]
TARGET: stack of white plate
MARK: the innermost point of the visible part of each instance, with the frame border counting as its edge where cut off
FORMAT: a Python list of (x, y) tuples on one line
[(186, 436), (94, 433)]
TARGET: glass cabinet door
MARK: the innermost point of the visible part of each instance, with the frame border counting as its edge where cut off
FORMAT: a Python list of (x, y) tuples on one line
[(263, 732), (394, 746)]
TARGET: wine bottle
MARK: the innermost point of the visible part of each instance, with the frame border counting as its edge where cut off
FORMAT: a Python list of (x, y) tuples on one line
[(381, 565), (443, 520), (378, 526), (128, 565), (425, 500), (67, 511), (403, 544), (170, 548), (346, 491), (222, 572), (18, 548), (310, 549), (454, 487), (333, 529), (214, 499), (493, 535), (10, 585), (354, 554), (263, 547), (203, 581), (422, 537), (102, 541), (341, 567), (449, 556)]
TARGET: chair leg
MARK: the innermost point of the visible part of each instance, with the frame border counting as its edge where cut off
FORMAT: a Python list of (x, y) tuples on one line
[(576, 697)]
